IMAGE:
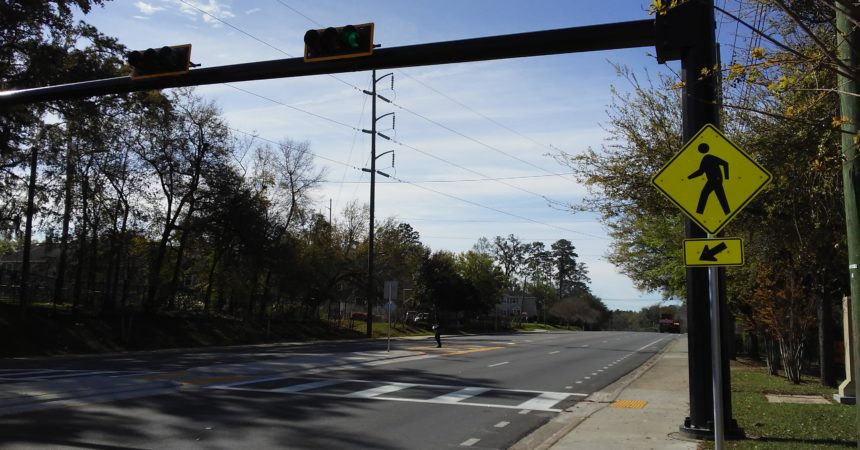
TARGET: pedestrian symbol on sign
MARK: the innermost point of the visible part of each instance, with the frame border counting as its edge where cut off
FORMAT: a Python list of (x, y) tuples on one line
[(713, 168)]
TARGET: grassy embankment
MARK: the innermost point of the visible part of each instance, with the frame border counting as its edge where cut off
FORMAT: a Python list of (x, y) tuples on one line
[(46, 331), (785, 425)]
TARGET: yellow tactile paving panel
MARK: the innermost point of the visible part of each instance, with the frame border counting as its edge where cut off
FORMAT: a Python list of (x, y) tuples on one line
[(629, 404)]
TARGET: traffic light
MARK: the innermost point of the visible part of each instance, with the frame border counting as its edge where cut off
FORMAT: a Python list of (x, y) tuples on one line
[(164, 61), (330, 43)]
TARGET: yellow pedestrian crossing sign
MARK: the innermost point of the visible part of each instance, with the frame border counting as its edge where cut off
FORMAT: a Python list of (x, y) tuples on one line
[(711, 179), (713, 252)]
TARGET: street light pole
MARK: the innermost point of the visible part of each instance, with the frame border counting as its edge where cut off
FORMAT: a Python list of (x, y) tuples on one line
[(371, 288)]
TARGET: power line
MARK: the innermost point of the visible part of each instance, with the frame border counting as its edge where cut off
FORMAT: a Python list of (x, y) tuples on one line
[(399, 180), (202, 11), (398, 142), (484, 116), (523, 177), (528, 219), (434, 122), (278, 102), (402, 144)]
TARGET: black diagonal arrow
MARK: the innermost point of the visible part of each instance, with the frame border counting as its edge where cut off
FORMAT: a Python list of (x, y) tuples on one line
[(710, 254)]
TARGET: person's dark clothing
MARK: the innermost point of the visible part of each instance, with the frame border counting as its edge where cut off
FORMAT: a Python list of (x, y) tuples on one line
[(438, 335)]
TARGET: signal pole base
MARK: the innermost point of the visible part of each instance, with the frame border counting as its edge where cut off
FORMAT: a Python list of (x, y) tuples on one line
[(732, 431)]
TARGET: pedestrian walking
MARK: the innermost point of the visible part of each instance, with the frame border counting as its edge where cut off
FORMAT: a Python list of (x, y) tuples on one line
[(437, 334)]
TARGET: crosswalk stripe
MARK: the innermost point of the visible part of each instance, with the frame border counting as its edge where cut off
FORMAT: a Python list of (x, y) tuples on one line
[(381, 390), (462, 394), (544, 400)]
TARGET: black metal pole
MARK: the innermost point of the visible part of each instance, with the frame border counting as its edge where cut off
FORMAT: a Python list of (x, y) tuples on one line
[(609, 36), (371, 289), (689, 35)]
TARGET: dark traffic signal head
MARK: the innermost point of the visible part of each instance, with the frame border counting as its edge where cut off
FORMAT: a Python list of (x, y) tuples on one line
[(335, 43), (164, 61)]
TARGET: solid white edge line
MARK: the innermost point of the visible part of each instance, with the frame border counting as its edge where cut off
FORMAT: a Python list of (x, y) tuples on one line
[(498, 364), (646, 346)]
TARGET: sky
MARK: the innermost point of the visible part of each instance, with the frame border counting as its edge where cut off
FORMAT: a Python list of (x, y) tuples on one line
[(473, 141)]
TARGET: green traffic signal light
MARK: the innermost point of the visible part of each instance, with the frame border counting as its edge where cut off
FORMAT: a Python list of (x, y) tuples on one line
[(349, 36), (349, 41)]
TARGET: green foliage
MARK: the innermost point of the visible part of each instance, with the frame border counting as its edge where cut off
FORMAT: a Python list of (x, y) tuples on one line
[(645, 131)]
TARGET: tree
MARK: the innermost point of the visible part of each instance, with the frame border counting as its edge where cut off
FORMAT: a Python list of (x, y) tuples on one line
[(180, 135), (510, 255), (40, 44), (485, 278), (572, 276), (575, 310)]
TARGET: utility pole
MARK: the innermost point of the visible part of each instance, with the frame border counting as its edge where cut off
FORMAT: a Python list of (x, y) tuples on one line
[(371, 284), (847, 41)]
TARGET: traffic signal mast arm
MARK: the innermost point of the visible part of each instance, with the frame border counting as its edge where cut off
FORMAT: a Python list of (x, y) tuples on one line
[(631, 34)]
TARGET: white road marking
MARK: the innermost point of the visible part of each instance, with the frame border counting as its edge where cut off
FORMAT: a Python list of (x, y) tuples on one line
[(499, 364), (553, 353), (381, 390), (579, 382), (568, 387), (525, 411), (469, 442), (587, 378), (646, 346), (501, 424), (544, 400), (462, 394)]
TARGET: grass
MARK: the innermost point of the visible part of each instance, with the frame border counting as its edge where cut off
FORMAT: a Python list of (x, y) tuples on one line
[(783, 425)]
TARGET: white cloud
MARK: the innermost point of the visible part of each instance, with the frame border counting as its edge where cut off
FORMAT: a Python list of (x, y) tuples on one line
[(147, 9), (210, 11), (253, 10)]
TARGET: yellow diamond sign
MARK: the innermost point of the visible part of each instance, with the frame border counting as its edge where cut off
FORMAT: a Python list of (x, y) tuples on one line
[(711, 179)]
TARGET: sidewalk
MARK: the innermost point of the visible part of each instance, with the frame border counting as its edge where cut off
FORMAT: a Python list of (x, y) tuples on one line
[(644, 413)]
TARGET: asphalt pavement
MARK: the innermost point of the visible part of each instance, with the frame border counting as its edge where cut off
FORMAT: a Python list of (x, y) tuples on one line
[(643, 410)]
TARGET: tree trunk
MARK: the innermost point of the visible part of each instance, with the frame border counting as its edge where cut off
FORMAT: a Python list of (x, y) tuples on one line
[(92, 267), (771, 355), (177, 269), (28, 232), (791, 349), (82, 244), (753, 349), (60, 282), (207, 298), (825, 342), (152, 299)]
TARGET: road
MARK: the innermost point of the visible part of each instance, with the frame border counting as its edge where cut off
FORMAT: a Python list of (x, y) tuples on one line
[(484, 391)]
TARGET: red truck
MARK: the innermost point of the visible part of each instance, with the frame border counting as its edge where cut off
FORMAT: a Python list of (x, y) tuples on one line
[(668, 324)]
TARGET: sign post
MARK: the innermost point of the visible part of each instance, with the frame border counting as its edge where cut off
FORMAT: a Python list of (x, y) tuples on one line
[(711, 179), (390, 296)]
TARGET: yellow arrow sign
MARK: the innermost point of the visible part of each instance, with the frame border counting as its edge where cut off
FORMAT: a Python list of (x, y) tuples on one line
[(713, 252), (711, 179)]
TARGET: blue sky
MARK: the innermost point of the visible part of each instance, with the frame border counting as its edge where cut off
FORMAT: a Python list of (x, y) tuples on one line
[(455, 124)]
